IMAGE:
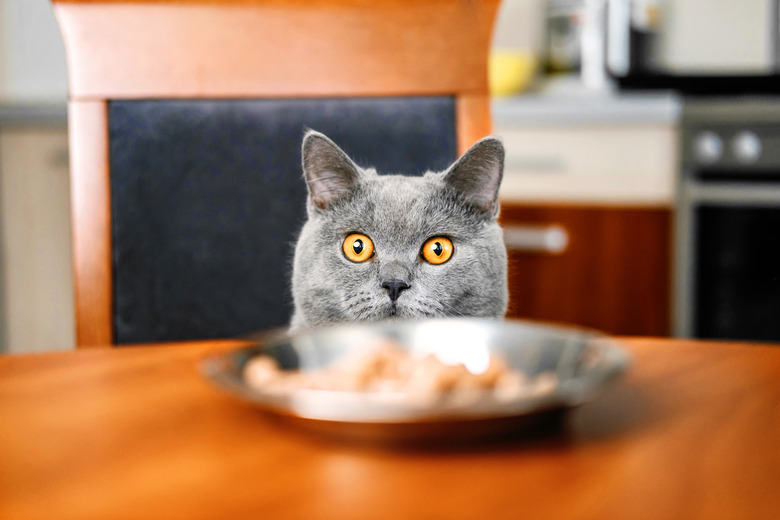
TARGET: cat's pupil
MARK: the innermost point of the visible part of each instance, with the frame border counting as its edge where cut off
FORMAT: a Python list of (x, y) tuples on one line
[(357, 246), (438, 249)]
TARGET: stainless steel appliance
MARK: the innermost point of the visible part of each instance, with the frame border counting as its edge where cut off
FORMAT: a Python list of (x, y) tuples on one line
[(728, 220), (695, 46)]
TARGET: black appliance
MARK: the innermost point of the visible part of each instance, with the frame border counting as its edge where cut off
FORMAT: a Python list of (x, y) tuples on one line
[(728, 220)]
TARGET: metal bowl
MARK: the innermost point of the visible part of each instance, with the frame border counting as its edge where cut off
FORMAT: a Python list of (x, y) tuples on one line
[(582, 360)]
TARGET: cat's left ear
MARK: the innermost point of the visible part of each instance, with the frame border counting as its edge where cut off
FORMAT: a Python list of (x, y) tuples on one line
[(330, 174), (477, 174)]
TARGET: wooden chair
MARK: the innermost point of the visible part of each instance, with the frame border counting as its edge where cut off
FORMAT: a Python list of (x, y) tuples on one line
[(185, 120)]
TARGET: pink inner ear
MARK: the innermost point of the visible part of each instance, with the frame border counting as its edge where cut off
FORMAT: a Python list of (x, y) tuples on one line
[(330, 174), (324, 191)]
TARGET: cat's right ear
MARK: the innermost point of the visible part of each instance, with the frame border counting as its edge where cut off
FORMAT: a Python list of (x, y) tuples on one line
[(476, 176), (330, 174)]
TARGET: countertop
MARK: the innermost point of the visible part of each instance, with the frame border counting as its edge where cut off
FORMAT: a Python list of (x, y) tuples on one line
[(562, 102), (568, 102), (16, 113)]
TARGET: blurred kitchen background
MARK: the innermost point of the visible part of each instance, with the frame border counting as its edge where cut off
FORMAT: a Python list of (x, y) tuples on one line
[(640, 195)]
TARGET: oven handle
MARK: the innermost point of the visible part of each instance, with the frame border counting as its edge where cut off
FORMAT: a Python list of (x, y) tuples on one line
[(551, 239)]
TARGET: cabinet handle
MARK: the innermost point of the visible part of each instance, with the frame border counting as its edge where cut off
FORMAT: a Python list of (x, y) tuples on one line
[(551, 239)]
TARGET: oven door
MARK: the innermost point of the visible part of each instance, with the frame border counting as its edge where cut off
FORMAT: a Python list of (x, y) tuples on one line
[(729, 265)]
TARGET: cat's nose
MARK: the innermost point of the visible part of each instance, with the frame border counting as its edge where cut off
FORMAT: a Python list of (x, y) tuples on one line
[(394, 288)]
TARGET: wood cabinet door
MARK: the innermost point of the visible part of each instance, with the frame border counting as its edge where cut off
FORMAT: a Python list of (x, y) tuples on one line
[(601, 267), (36, 275)]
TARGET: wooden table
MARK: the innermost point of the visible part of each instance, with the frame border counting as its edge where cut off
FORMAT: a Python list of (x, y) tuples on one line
[(691, 431)]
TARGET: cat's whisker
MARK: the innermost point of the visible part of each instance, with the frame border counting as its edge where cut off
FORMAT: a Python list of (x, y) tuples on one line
[(358, 306), (453, 311)]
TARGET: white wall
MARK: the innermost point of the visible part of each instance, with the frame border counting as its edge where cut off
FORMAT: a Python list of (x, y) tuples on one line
[(719, 35), (32, 57), (520, 25)]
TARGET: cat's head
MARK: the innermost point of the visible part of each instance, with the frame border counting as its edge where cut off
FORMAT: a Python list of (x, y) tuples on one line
[(381, 247)]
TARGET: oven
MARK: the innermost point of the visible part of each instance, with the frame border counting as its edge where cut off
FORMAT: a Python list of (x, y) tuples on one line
[(728, 220)]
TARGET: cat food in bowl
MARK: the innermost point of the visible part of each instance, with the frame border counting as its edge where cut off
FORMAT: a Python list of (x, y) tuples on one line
[(435, 379), (383, 370)]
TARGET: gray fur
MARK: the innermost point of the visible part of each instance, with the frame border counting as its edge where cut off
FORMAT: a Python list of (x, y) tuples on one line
[(399, 214)]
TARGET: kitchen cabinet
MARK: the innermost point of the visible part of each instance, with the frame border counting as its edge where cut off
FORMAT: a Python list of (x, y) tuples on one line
[(595, 266), (587, 202), (36, 294)]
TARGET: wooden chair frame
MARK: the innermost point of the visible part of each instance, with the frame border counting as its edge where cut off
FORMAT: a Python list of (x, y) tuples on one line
[(120, 49)]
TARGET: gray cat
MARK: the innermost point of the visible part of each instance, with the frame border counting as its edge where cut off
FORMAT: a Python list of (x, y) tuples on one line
[(379, 247)]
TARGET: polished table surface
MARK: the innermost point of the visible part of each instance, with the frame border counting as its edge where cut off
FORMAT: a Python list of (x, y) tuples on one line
[(692, 430)]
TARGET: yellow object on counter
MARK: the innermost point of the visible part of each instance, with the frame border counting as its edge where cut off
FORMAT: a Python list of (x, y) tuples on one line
[(510, 73)]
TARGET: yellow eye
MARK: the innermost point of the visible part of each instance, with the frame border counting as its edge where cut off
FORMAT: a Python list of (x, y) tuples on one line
[(437, 250), (358, 247)]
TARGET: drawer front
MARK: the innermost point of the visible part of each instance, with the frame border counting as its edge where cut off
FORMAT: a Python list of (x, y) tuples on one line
[(603, 268), (590, 164)]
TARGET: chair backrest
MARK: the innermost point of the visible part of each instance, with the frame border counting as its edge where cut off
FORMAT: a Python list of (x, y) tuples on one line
[(185, 121)]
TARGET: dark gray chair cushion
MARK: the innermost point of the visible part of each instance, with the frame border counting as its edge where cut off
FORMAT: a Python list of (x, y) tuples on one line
[(207, 197)]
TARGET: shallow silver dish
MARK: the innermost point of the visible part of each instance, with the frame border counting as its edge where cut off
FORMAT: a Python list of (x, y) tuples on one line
[(584, 362)]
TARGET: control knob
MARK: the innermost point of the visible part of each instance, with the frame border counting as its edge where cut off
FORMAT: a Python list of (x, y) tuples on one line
[(708, 147), (746, 147)]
